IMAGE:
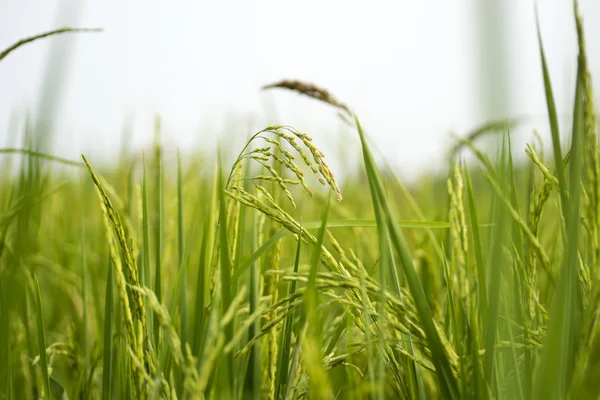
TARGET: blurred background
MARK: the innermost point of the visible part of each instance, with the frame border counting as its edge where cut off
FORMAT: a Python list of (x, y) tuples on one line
[(413, 71)]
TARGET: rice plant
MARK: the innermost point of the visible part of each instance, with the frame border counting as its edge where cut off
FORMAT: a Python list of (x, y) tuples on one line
[(267, 278)]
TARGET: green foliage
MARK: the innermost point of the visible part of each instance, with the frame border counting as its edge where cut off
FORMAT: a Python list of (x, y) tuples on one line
[(146, 281)]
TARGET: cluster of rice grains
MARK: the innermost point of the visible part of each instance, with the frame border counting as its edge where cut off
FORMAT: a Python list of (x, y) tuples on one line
[(278, 153)]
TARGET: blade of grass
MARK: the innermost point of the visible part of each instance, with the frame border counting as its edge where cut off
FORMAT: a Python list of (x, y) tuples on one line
[(108, 337), (49, 157), (513, 354), (209, 239), (351, 223), (496, 267), (386, 267), (358, 223), (320, 384), (183, 314), (159, 218), (311, 294), (41, 338), (368, 336), (34, 390), (481, 278), (145, 275), (200, 294), (519, 277), (225, 274), (253, 375), (553, 119), (286, 333), (84, 319), (556, 364)]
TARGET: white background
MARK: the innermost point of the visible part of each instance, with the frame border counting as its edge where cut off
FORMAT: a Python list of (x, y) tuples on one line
[(408, 68)]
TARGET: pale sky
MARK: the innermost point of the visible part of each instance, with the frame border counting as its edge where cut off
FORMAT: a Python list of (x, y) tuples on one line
[(407, 68)]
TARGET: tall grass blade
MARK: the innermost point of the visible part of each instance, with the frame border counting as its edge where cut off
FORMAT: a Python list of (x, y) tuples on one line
[(311, 346), (311, 293), (225, 275), (496, 268), (557, 359), (334, 223), (158, 229), (200, 294), (108, 337), (552, 115), (183, 314), (253, 374), (85, 334), (41, 338), (145, 273), (286, 334), (480, 267)]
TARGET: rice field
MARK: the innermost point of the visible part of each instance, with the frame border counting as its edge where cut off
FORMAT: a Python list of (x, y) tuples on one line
[(265, 277)]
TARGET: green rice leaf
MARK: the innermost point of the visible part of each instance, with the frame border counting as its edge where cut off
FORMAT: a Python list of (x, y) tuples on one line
[(41, 338), (552, 115), (108, 337), (557, 359)]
